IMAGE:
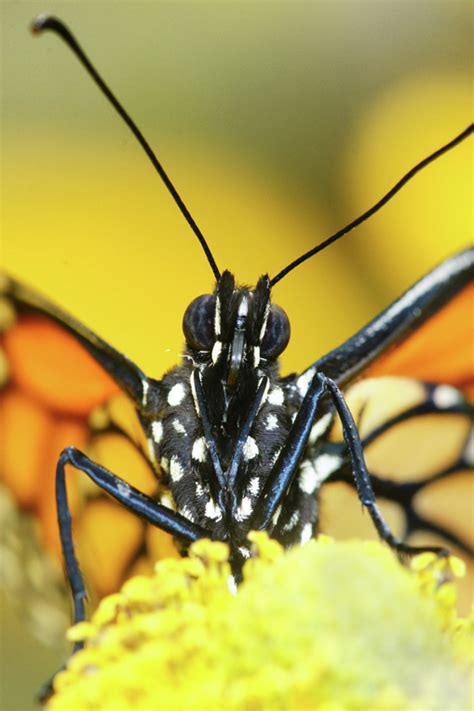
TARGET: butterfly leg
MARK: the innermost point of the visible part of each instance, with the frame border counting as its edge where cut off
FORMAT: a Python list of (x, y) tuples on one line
[(130, 497), (362, 479)]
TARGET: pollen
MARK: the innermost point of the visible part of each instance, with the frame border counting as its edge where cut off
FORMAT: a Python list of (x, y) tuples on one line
[(289, 637)]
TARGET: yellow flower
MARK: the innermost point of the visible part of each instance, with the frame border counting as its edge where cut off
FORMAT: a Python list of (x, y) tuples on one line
[(325, 626)]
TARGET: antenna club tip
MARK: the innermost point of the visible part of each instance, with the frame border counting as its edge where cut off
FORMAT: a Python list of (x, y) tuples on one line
[(43, 22)]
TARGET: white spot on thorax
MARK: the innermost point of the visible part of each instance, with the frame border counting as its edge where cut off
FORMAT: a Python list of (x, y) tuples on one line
[(187, 513), (178, 427), (250, 449), (304, 381), (176, 394), (176, 469), (308, 480), (157, 431), (254, 486), (199, 450), (276, 396), (306, 533), (446, 396), (212, 511), (319, 428), (272, 422), (244, 510), (325, 465), (292, 522)]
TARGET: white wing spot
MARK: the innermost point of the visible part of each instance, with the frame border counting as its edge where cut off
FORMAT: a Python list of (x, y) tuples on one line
[(176, 395), (212, 511), (176, 469), (250, 449), (272, 422), (306, 534), (157, 431), (304, 380), (178, 427), (276, 396), (199, 450), (446, 396), (308, 478)]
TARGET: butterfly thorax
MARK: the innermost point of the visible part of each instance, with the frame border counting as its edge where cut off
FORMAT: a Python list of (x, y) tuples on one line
[(221, 418)]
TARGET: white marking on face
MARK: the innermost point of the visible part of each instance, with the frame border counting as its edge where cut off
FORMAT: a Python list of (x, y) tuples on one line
[(178, 427), (157, 431), (164, 464), (306, 533), (325, 465), (254, 485), (265, 319), (256, 356), (304, 380), (292, 522), (145, 388), (319, 428), (243, 307), (216, 351), (124, 489), (250, 449), (176, 469), (445, 396), (272, 422), (308, 479), (217, 317), (212, 511), (245, 509), (199, 450), (276, 396), (176, 395), (187, 513)]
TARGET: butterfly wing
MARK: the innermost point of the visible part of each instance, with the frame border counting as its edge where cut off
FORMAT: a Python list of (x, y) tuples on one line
[(408, 379), (56, 394)]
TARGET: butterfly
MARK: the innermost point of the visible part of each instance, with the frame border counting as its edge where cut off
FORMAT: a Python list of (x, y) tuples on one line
[(223, 444)]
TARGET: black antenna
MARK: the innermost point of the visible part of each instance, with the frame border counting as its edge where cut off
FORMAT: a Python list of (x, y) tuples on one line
[(49, 22), (365, 216)]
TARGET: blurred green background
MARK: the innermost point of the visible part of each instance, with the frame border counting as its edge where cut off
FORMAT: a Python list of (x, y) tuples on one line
[(278, 121)]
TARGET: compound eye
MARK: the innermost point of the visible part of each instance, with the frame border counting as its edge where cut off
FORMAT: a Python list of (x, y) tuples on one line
[(198, 323), (277, 333)]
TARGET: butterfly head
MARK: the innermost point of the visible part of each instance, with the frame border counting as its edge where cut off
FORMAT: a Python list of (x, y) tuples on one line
[(235, 330)]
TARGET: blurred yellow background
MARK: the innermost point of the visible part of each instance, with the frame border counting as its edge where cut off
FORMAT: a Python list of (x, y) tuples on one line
[(278, 122)]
